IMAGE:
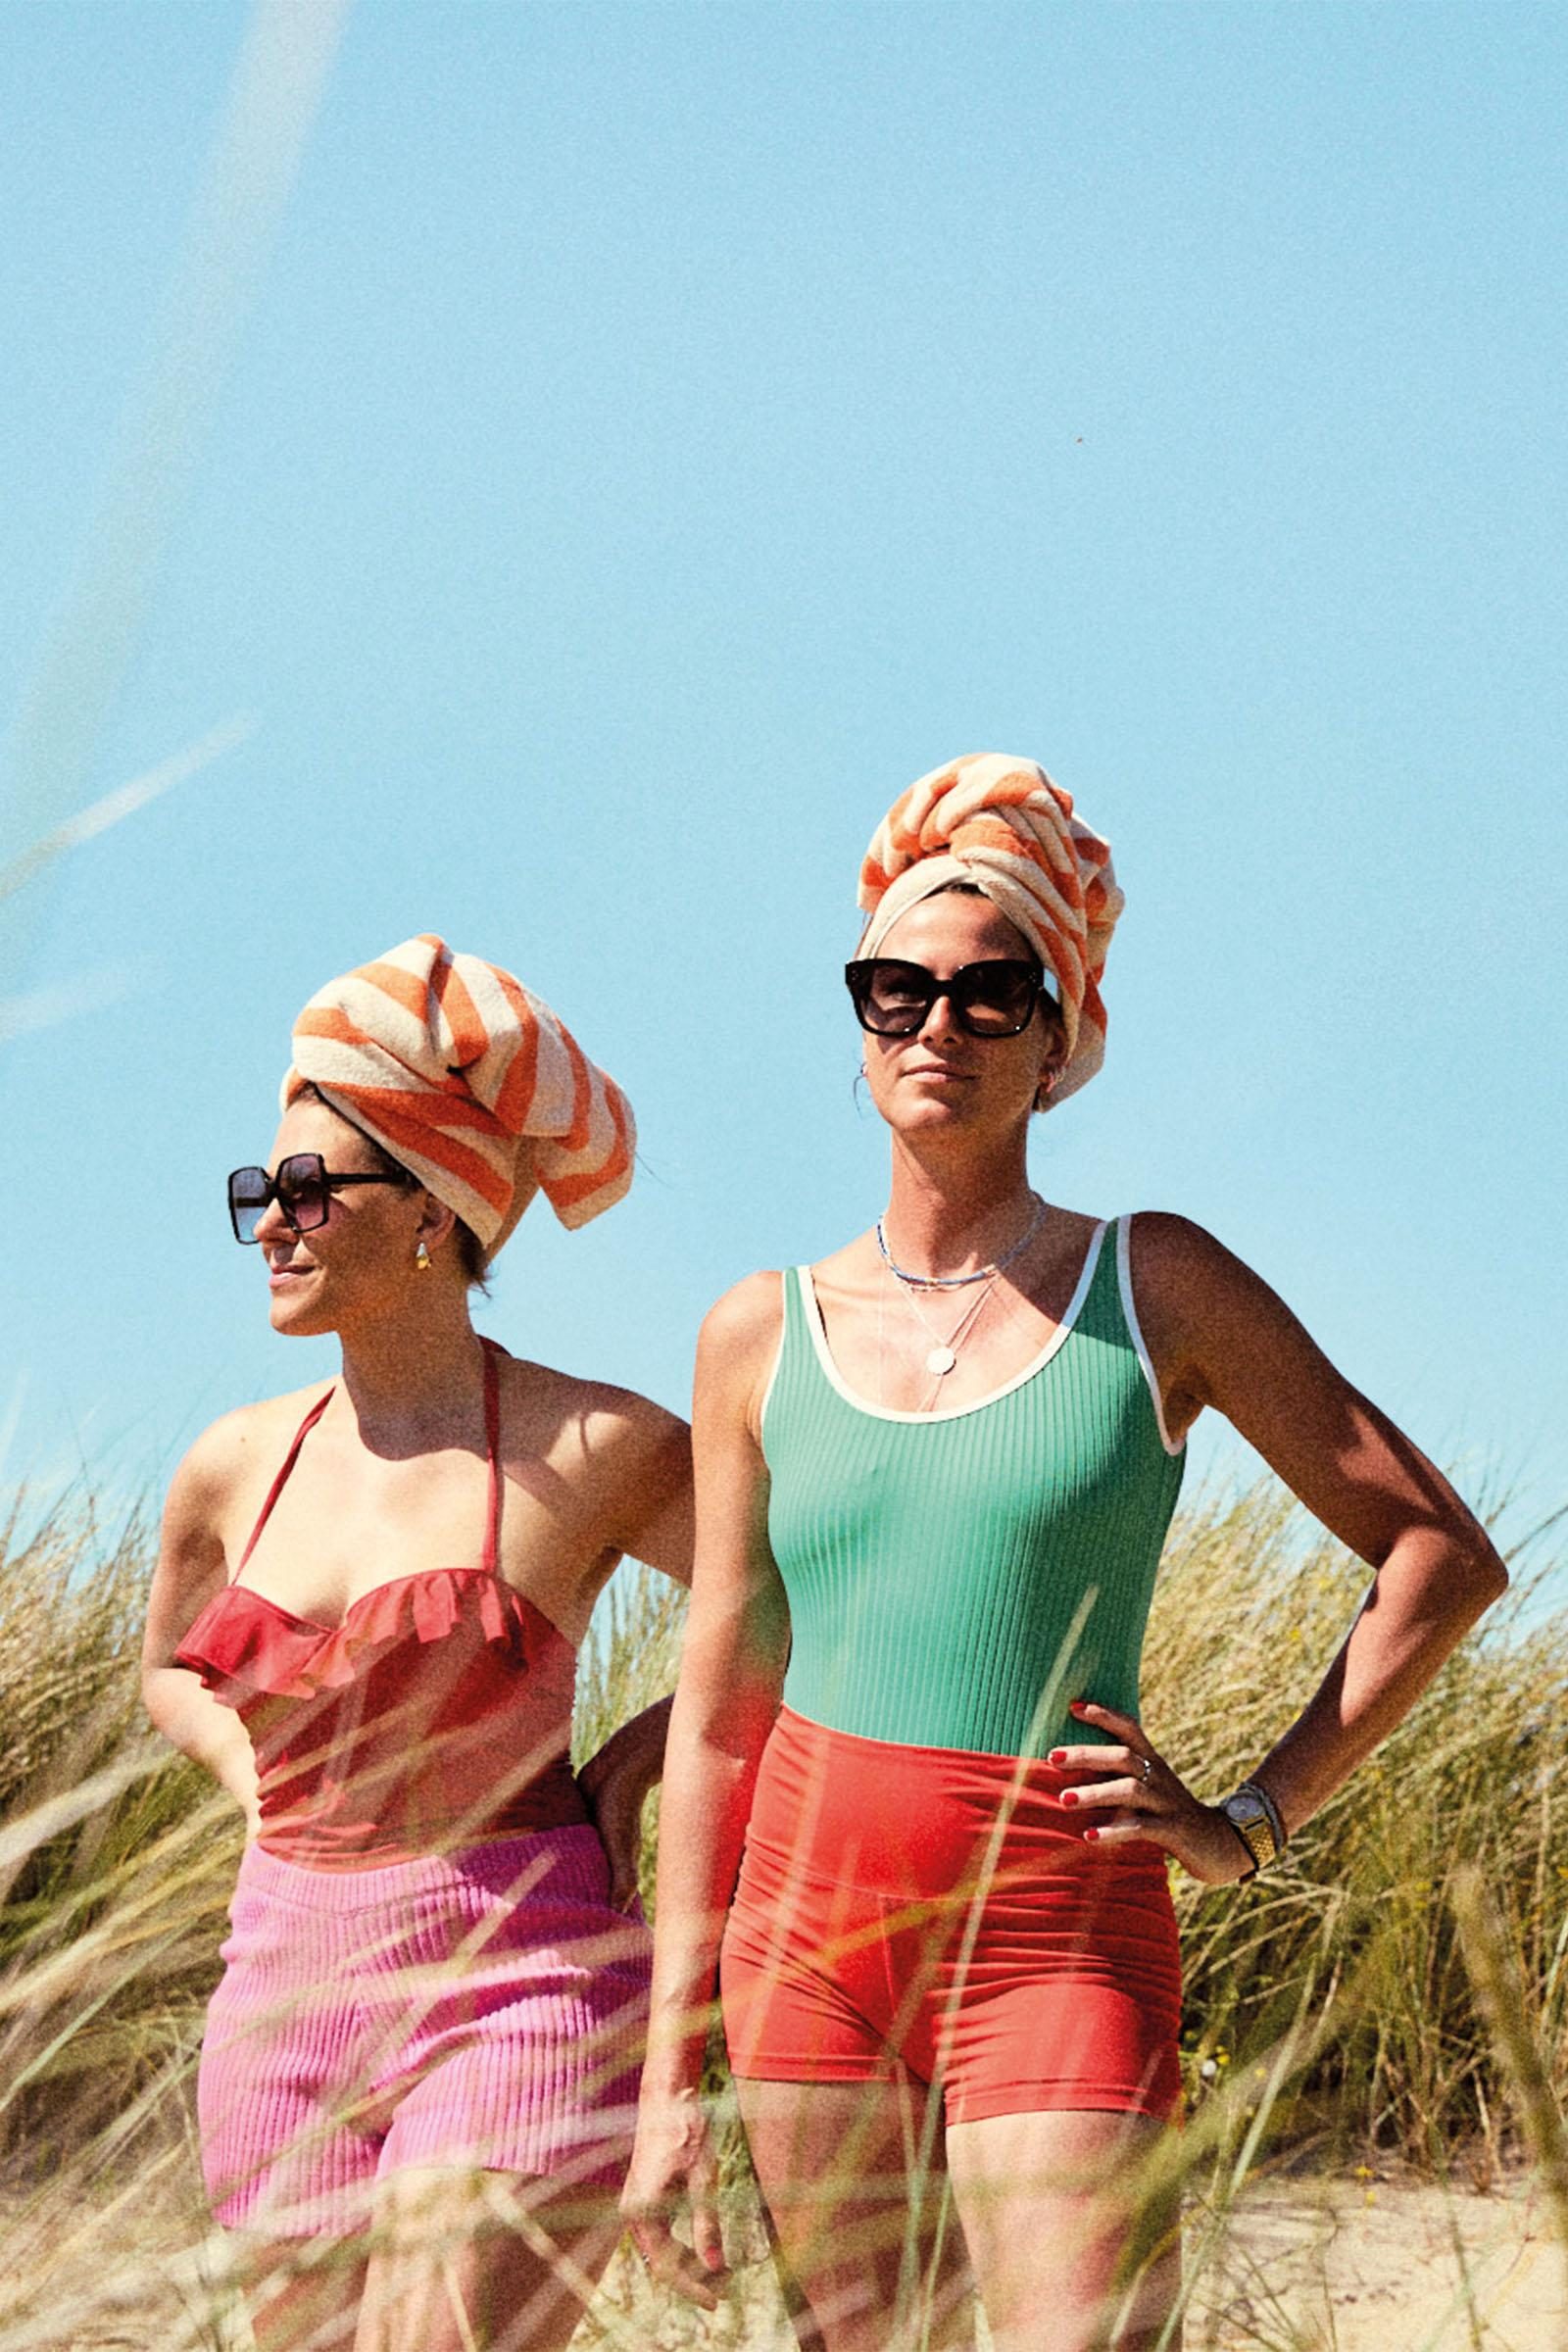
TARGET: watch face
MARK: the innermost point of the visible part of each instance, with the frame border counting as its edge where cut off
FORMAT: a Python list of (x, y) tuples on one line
[(1249, 1816)]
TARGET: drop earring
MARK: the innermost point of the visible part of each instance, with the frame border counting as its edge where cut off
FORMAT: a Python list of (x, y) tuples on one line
[(422, 1259)]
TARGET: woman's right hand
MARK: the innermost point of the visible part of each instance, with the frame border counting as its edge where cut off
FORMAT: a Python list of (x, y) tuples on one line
[(674, 2173)]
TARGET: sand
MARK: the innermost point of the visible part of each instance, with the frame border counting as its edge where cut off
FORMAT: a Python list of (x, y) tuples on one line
[(1305, 2265), (1313, 2265), (1359, 2267)]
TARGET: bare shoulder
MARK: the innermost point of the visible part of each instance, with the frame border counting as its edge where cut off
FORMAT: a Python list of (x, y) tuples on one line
[(1217, 1333), (1179, 1266), (232, 1451), (745, 1314), (740, 1330), (212, 1495), (537, 1400), (1173, 1250)]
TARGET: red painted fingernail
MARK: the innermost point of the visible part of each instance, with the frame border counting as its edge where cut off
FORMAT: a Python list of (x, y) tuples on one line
[(1069, 1796), (1057, 1755), (1091, 1834)]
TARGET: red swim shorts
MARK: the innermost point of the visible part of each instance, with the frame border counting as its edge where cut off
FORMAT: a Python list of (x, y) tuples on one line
[(936, 1910)]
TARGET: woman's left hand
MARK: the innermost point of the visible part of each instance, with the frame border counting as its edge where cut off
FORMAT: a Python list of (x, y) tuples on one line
[(1141, 1798), (616, 1782)]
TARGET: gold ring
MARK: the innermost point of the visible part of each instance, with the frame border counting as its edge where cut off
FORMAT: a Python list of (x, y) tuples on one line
[(1149, 1770)]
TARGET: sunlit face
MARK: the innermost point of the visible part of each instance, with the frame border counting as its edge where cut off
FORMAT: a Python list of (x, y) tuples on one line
[(942, 1076), (350, 1267)]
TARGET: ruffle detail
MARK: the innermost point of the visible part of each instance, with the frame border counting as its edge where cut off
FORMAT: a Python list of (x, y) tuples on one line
[(243, 1645)]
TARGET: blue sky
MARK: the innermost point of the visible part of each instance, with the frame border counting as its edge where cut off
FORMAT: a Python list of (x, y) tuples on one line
[(659, 434)]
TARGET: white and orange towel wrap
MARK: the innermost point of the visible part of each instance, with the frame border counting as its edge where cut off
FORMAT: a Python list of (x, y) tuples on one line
[(1001, 825), (470, 1082)]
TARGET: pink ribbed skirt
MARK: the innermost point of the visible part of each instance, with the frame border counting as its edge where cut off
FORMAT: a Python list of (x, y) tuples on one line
[(484, 2008)]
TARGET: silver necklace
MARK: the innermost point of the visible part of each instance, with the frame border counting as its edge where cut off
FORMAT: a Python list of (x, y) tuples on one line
[(958, 1282), (943, 1353)]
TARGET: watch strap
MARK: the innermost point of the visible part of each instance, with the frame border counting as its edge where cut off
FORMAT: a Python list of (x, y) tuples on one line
[(1255, 1817)]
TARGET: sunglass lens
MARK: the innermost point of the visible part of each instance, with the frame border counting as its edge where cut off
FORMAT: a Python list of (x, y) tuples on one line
[(995, 1000), (894, 998), (302, 1192), (248, 1194)]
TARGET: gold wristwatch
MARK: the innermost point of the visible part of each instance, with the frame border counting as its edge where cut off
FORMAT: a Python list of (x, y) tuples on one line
[(1256, 1818)]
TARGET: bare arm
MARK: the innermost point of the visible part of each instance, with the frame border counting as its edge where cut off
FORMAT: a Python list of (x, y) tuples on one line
[(191, 1568), (732, 1672), (1218, 1336), (654, 1510), (651, 1518)]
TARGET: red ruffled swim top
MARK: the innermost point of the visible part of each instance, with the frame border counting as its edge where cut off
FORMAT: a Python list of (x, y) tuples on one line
[(437, 1715)]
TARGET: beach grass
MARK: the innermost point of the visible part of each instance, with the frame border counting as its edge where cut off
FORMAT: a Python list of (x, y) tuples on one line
[(1390, 2001)]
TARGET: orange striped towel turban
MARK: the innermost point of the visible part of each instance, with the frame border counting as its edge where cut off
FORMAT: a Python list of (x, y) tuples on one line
[(1002, 824), (472, 1082)]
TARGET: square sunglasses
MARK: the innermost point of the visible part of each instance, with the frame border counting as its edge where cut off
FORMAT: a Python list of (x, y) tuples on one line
[(993, 999), (303, 1188)]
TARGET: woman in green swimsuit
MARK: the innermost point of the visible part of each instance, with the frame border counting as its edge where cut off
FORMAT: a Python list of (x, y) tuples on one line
[(934, 1473)]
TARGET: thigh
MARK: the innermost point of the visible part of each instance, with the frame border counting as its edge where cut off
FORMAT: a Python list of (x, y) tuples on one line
[(1061, 2218), (855, 2184), (479, 2262)]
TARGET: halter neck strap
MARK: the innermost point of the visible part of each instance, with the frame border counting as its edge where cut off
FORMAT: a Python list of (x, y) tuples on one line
[(281, 1480), (492, 1444), (492, 1447)]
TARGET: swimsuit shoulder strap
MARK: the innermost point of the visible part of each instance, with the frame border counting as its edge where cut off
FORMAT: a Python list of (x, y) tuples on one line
[(491, 1435), (799, 1342), (800, 1303), (281, 1480), (493, 1354)]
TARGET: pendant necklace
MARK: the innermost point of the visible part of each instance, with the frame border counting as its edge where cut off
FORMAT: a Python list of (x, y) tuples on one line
[(944, 1353)]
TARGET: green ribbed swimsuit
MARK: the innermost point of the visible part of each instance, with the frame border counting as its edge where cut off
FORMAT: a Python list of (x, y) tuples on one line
[(955, 1579)]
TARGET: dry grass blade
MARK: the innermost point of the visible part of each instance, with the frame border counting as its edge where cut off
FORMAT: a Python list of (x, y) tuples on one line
[(1505, 2004), (1332, 2009)]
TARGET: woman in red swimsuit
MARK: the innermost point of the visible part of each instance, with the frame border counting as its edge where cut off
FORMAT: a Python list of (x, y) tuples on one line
[(934, 1473), (419, 2065)]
